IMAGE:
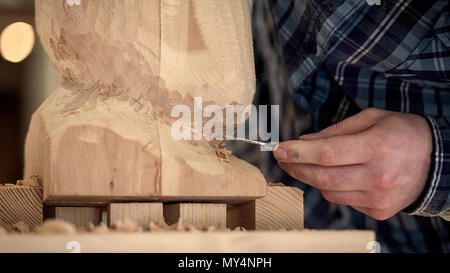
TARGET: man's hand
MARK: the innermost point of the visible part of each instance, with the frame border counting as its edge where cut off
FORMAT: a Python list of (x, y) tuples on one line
[(376, 161)]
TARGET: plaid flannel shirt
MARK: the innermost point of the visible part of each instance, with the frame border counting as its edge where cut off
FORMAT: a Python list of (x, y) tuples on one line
[(342, 56)]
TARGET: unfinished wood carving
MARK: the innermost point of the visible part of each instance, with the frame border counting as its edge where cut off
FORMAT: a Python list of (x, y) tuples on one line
[(104, 134)]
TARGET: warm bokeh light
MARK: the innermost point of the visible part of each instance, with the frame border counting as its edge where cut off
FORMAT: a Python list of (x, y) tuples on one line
[(17, 41)]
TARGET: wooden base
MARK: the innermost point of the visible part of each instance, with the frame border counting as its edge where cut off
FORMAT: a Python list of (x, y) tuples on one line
[(281, 208)]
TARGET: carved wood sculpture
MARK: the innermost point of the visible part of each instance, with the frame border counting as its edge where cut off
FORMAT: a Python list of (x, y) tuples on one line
[(104, 134)]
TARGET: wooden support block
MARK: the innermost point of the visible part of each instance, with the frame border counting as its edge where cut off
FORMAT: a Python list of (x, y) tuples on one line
[(242, 215), (140, 213), (80, 216), (281, 208), (21, 204), (196, 214)]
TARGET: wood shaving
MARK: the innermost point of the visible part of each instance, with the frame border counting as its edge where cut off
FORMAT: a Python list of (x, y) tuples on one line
[(33, 181), (62, 227), (21, 227), (180, 226), (161, 225), (100, 229), (240, 229), (223, 154), (126, 226), (56, 227)]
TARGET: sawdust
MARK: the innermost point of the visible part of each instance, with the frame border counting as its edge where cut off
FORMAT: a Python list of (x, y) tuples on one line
[(63, 227)]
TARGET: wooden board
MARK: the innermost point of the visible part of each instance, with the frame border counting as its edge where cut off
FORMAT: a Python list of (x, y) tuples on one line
[(21, 204), (199, 214), (142, 214), (179, 242), (282, 207), (80, 216), (105, 134)]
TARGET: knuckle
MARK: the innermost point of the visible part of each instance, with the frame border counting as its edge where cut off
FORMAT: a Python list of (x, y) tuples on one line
[(326, 155)]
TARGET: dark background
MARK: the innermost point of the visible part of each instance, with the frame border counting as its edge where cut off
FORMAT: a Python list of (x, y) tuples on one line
[(23, 87)]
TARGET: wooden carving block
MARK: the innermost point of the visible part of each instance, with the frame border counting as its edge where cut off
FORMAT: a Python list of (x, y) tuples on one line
[(199, 214), (140, 213), (21, 204), (80, 216), (105, 133), (281, 208)]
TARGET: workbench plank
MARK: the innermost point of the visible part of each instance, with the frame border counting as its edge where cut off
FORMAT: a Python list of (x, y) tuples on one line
[(180, 242)]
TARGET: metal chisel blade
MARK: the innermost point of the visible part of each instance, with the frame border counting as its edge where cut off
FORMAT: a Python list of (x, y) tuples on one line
[(267, 146)]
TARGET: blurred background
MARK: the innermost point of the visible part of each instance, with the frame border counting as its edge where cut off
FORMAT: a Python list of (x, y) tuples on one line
[(26, 78)]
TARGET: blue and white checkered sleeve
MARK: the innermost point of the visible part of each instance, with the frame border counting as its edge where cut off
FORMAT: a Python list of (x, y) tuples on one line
[(435, 199)]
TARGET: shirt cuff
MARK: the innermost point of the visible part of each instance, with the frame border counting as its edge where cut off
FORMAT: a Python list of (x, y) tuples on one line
[(435, 199)]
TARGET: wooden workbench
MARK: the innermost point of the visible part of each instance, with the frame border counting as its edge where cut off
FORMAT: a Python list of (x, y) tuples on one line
[(183, 242)]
